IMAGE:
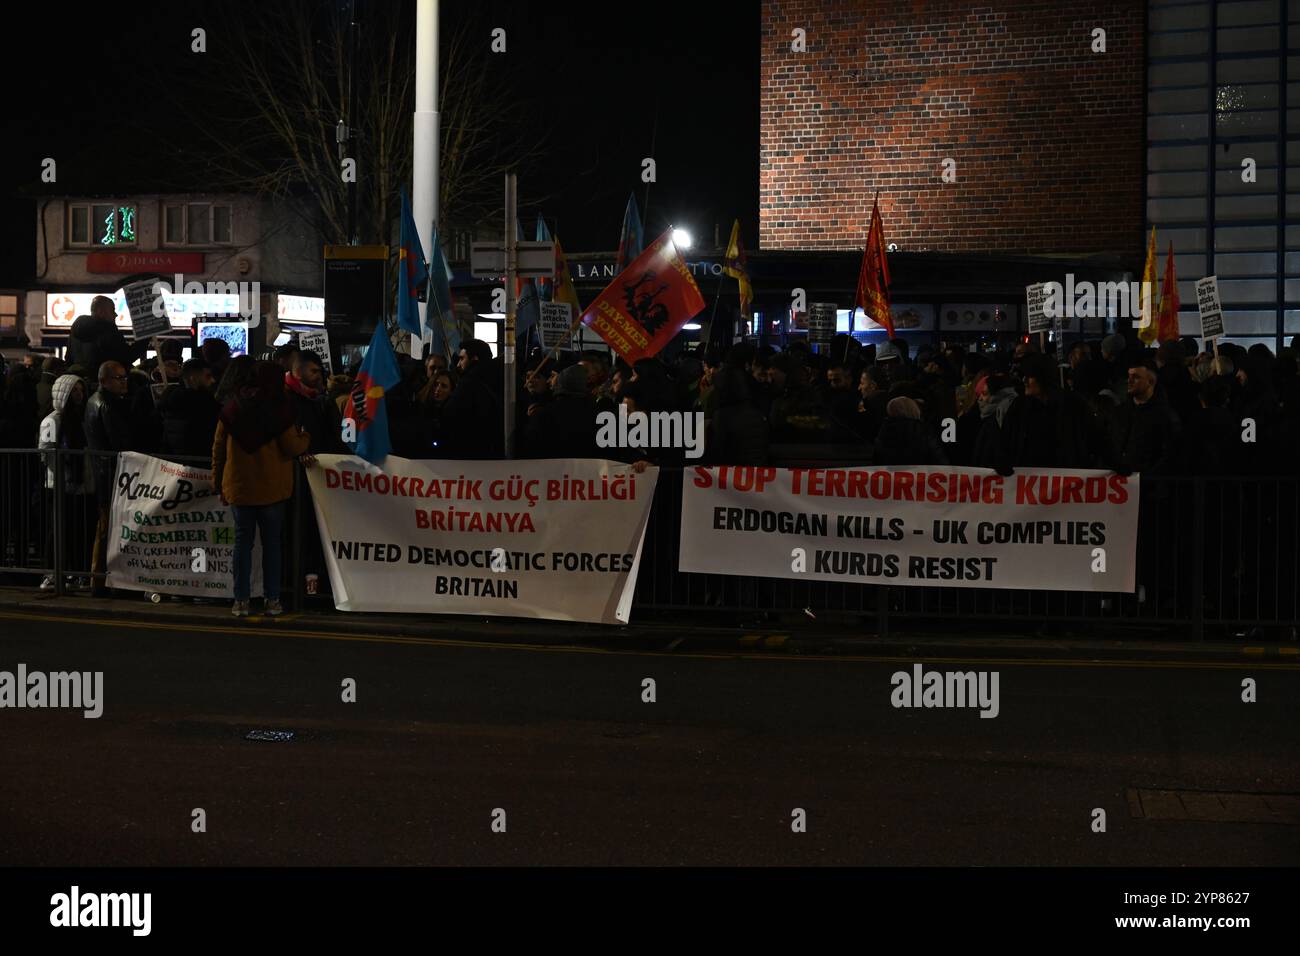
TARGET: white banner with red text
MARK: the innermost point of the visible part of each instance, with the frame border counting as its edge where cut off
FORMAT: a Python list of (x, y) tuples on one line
[(557, 539), (1040, 529)]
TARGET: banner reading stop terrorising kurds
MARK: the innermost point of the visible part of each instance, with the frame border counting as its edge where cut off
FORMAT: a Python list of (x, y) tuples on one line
[(558, 539), (647, 304), (1049, 529), (170, 533)]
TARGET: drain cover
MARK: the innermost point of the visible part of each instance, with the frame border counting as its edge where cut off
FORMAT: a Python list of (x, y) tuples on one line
[(275, 735), (1215, 806)]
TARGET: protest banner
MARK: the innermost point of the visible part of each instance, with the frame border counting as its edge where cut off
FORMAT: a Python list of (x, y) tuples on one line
[(557, 317), (647, 304), (147, 308), (821, 322), (1210, 308), (557, 539), (1036, 310), (1040, 529), (169, 533), (318, 341)]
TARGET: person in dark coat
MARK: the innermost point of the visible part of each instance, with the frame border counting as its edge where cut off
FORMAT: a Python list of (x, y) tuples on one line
[(1145, 431), (904, 438), (565, 427), (305, 387), (95, 339), (51, 369), (1049, 427), (473, 418), (109, 429), (736, 432), (189, 412)]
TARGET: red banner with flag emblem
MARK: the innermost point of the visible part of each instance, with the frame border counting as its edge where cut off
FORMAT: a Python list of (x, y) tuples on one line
[(647, 304)]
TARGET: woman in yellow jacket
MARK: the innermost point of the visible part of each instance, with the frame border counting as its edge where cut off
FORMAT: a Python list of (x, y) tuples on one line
[(253, 452)]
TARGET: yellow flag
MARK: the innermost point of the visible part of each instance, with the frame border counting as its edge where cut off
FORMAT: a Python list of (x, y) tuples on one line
[(1147, 331), (564, 291), (733, 264)]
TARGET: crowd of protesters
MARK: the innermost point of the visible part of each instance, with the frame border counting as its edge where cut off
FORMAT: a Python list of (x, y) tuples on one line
[(1112, 405)]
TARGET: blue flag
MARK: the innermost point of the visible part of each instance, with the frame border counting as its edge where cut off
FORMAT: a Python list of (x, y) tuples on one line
[(411, 272), (632, 239), (365, 405), (545, 287), (441, 314)]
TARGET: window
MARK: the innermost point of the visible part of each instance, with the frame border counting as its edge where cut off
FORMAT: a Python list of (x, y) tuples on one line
[(197, 224), (8, 314), (101, 224)]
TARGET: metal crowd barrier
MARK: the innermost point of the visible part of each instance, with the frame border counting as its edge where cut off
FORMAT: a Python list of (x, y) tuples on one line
[(1212, 552)]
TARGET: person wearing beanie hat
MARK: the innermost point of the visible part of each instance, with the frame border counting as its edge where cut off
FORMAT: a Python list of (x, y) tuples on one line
[(51, 369), (1047, 426), (903, 407), (564, 427), (904, 439)]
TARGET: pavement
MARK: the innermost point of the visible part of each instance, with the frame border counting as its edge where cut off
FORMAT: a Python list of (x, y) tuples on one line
[(833, 637), (753, 750)]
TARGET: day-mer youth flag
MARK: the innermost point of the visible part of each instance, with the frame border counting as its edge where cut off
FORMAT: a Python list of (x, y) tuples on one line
[(647, 303), (411, 272), (441, 314), (1147, 331), (1168, 330), (873, 278), (733, 264), (365, 405), (632, 238)]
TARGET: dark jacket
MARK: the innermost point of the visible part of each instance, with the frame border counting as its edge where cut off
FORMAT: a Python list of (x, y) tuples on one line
[(1059, 431), (1144, 438), (91, 342), (318, 417), (907, 441), (109, 428), (473, 418), (189, 421), (563, 428), (736, 435)]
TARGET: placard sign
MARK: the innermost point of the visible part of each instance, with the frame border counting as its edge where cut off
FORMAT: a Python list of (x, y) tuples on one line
[(557, 320), (318, 341), (147, 308), (1211, 309), (1036, 297), (821, 322)]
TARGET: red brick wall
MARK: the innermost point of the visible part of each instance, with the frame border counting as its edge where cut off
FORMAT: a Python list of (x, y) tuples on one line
[(1048, 136)]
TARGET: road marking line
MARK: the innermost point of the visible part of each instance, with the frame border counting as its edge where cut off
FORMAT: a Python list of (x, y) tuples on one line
[(573, 649)]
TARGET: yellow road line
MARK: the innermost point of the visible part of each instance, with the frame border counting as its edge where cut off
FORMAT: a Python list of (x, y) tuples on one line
[(574, 649)]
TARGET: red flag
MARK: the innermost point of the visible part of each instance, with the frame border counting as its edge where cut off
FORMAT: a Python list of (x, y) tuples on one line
[(1167, 330), (647, 304), (873, 278)]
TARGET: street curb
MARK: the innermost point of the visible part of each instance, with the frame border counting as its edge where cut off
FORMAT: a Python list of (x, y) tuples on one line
[(658, 636)]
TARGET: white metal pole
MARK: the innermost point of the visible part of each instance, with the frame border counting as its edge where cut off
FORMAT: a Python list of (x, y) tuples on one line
[(424, 166), (508, 342)]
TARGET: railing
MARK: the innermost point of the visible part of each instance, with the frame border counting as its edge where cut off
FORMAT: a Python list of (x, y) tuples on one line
[(1222, 553)]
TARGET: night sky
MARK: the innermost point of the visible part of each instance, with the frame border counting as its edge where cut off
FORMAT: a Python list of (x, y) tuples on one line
[(94, 94)]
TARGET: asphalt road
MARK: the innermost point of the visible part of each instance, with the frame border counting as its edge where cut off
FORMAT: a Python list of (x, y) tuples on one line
[(441, 735)]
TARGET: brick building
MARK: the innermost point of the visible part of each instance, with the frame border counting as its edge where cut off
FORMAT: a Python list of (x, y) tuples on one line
[(1046, 135)]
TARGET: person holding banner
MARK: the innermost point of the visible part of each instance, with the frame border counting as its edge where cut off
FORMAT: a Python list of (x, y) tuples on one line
[(253, 451)]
